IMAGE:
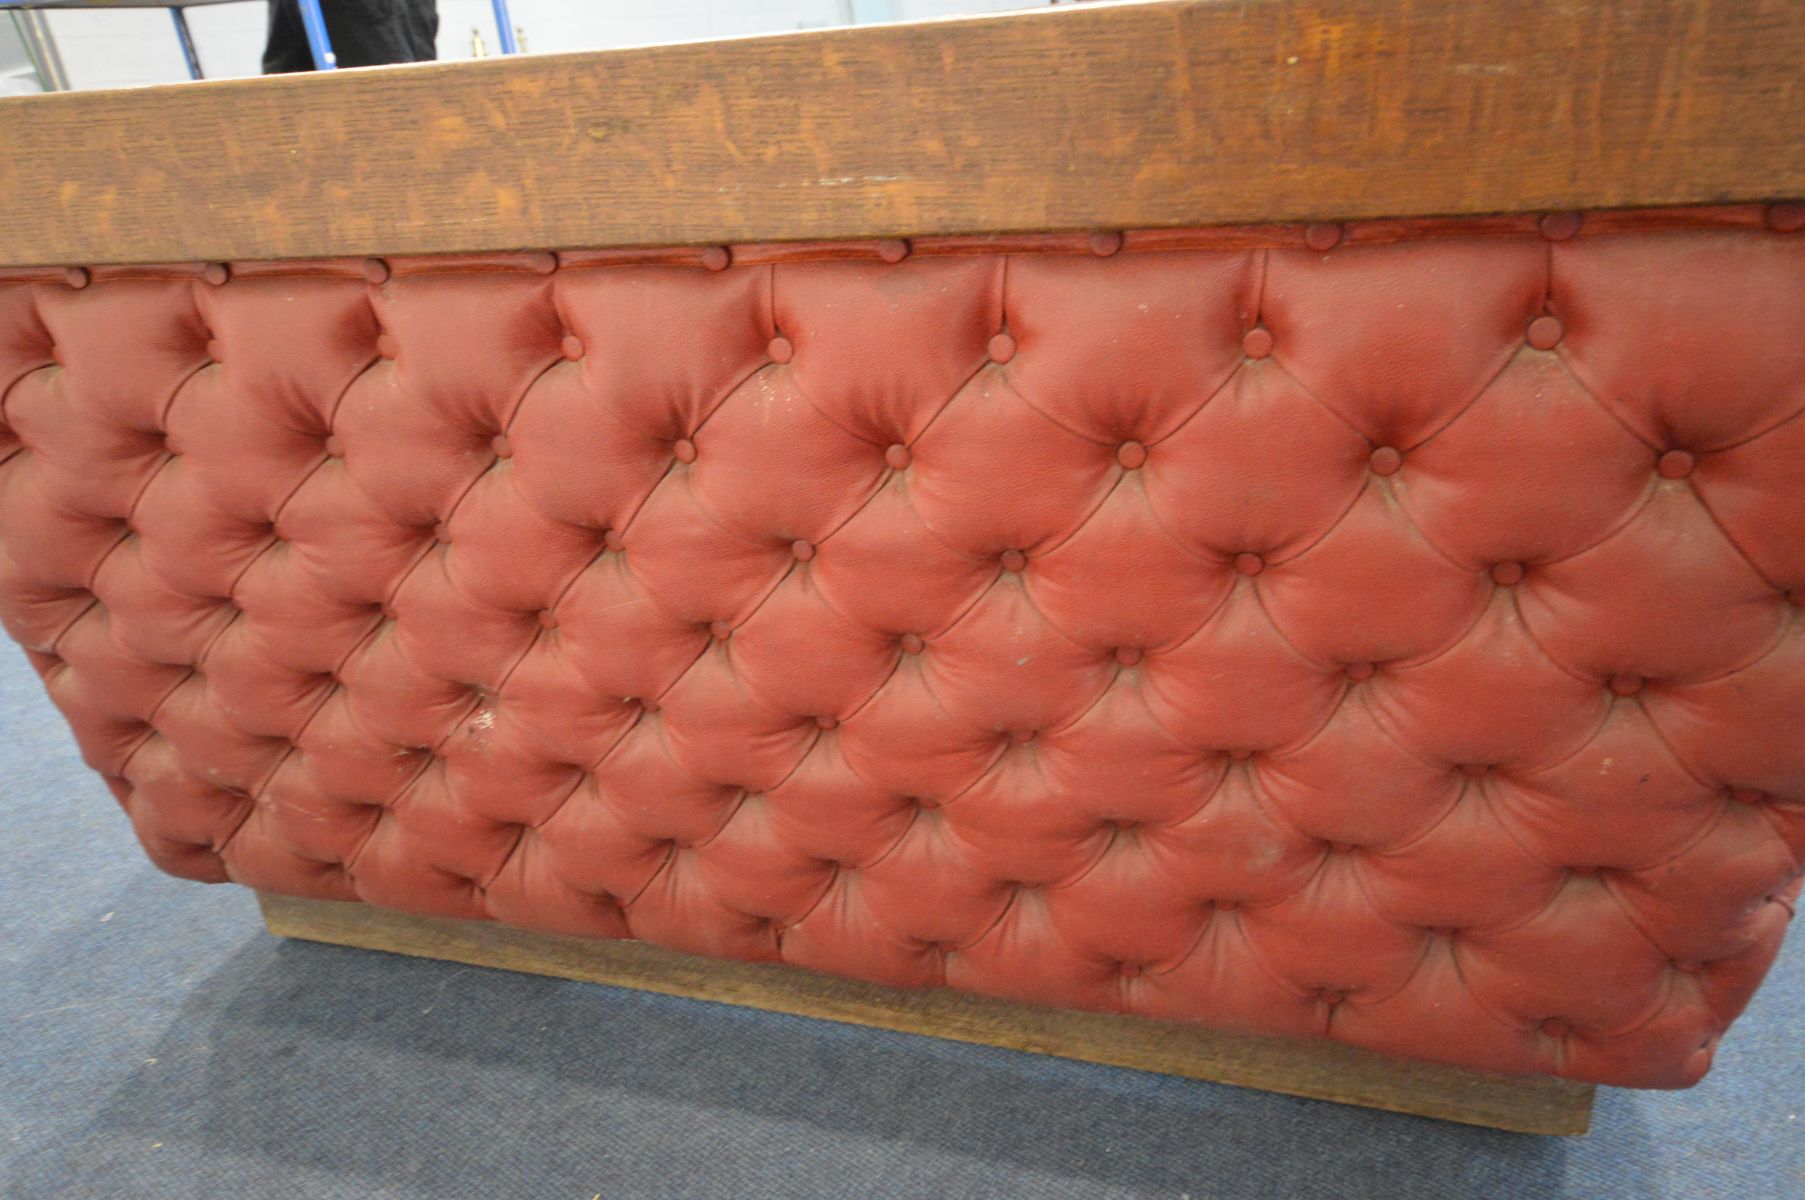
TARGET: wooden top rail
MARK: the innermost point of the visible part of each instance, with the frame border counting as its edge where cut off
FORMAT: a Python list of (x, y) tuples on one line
[(1183, 112)]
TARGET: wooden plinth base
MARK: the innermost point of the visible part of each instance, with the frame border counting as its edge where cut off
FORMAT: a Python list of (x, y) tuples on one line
[(1321, 1070)]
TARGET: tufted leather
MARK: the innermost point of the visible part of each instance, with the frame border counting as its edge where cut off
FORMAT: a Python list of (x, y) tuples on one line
[(1387, 632)]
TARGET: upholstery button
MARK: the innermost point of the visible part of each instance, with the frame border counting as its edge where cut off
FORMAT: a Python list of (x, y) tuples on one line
[(1342, 847), (544, 262), (1257, 342), (685, 450), (1585, 872), (1014, 560), (1128, 656), (334, 448), (1505, 574), (1626, 685), (548, 619), (912, 643), (1322, 236), (1688, 967), (216, 350), (1022, 737), (1240, 755), (1330, 996), (827, 723), (720, 630), (897, 457), (1001, 348), (1249, 563), (1558, 227), (1360, 671), (375, 270), (1475, 770), (216, 273), (500, 446), (1225, 905), (893, 250), (1786, 217), (804, 551), (717, 258), (613, 541), (571, 346), (1105, 243), (1445, 931), (1131, 455), (1556, 1028), (442, 532), (1744, 795), (1130, 970), (1675, 464), (76, 277), (386, 347), (780, 350), (1385, 460), (1545, 332), (649, 705), (927, 802)]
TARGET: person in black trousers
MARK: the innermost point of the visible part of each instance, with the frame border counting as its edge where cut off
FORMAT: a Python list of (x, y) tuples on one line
[(364, 33)]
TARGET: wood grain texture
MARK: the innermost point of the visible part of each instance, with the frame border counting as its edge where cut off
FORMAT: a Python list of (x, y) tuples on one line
[(1184, 112), (1321, 1070)]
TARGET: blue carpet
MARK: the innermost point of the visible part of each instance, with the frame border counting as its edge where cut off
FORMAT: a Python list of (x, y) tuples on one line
[(155, 1042)]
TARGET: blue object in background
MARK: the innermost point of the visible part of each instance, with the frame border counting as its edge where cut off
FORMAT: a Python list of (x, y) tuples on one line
[(504, 26), (314, 21), (189, 54)]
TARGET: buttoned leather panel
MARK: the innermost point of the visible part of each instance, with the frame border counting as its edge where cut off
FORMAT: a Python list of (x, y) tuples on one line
[(1387, 633)]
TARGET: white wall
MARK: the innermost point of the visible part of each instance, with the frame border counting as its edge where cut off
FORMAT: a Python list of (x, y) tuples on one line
[(126, 47), (133, 46)]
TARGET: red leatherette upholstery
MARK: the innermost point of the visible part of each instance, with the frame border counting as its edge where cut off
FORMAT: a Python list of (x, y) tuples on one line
[(1388, 633)]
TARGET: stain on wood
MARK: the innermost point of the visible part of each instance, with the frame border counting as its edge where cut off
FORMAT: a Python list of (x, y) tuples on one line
[(1185, 112)]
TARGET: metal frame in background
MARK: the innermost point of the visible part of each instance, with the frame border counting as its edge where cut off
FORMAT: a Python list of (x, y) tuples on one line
[(189, 54), (39, 42), (40, 47)]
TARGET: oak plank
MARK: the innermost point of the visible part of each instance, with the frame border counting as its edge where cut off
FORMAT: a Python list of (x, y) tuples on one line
[(1177, 112), (1321, 1070)]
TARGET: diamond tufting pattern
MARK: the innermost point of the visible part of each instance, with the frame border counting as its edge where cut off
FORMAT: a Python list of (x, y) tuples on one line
[(1385, 633)]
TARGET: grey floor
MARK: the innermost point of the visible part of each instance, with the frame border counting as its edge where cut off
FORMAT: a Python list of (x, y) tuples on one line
[(154, 1042)]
